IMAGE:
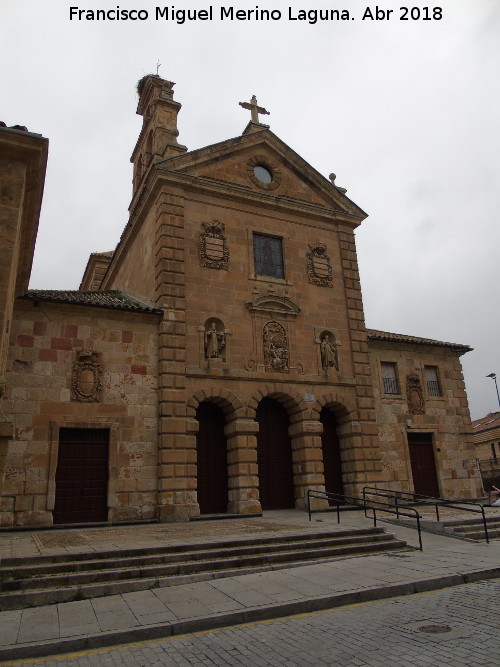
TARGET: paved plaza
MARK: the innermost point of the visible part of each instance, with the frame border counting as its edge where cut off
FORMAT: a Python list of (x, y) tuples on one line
[(219, 602), (456, 626)]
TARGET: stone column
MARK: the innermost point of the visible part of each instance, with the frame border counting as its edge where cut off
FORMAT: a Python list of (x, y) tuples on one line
[(307, 463), (242, 466)]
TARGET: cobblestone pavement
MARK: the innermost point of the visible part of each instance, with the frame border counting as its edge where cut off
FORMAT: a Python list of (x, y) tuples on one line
[(457, 626)]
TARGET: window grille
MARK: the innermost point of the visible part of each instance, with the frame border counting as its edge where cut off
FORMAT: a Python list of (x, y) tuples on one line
[(432, 381), (390, 378)]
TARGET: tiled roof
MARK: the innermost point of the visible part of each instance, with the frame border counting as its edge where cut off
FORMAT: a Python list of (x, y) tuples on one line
[(373, 334), (483, 429), (106, 299)]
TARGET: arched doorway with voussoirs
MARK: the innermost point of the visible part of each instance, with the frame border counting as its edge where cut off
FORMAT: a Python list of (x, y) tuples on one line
[(211, 459), (330, 445), (274, 456)]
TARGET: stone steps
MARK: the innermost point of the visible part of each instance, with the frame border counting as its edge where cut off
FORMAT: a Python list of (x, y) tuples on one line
[(27, 582), (472, 529)]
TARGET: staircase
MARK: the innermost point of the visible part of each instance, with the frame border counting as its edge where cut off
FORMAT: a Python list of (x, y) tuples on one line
[(472, 529), (39, 580)]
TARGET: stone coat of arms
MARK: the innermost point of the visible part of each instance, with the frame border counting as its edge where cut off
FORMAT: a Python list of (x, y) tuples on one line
[(86, 382)]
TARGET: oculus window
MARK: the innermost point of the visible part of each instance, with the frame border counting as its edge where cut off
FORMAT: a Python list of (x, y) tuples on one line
[(268, 256), (262, 173)]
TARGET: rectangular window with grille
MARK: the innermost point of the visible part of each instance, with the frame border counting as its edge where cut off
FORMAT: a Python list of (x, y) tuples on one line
[(432, 380), (390, 378), (268, 256)]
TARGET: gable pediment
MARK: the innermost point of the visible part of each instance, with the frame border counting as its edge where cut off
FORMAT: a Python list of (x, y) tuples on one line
[(233, 162)]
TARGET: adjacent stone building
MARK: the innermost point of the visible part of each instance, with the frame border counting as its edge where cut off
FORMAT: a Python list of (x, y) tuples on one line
[(217, 360)]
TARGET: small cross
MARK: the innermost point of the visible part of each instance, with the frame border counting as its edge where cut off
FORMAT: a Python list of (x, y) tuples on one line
[(254, 109), (158, 65)]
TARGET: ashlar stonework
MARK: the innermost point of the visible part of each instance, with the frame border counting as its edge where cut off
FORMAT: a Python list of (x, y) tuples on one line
[(218, 357)]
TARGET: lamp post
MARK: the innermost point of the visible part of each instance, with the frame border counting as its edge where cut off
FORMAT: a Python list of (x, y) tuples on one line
[(493, 376)]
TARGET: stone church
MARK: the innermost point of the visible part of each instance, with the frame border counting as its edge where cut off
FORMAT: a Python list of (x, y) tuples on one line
[(217, 361)]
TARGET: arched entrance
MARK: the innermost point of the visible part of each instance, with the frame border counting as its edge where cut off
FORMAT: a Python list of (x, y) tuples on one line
[(274, 456), (330, 444), (211, 451)]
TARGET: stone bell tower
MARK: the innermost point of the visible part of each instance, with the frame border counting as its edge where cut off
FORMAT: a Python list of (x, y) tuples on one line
[(158, 137)]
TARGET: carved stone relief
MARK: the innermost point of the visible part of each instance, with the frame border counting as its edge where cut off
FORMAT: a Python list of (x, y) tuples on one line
[(328, 349), (212, 246), (275, 345), (319, 267), (414, 395), (86, 379), (214, 339)]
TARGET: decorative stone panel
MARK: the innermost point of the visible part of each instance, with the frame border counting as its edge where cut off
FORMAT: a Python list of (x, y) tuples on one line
[(276, 352), (213, 248), (319, 268), (414, 395), (86, 378)]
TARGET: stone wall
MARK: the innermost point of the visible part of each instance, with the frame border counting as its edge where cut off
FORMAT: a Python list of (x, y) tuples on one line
[(46, 339), (446, 417)]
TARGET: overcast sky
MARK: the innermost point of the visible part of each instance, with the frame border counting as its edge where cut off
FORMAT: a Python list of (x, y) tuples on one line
[(406, 113)]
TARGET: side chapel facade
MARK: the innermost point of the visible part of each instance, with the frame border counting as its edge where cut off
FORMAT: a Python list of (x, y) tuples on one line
[(217, 361)]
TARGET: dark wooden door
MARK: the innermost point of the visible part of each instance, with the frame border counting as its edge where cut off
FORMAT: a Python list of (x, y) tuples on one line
[(211, 449), (274, 456), (82, 475), (330, 445), (423, 464)]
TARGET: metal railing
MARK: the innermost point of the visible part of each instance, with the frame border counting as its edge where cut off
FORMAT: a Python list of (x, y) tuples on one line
[(374, 505), (417, 498)]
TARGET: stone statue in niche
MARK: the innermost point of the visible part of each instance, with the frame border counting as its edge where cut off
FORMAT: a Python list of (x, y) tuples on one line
[(86, 379), (212, 246), (328, 349), (275, 348), (319, 267), (215, 340), (414, 395)]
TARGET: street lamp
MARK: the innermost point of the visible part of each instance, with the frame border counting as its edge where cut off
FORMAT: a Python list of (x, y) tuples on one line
[(493, 376)]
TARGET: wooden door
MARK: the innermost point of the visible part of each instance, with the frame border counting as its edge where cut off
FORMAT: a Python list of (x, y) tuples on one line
[(82, 476), (274, 456), (423, 464), (211, 449), (330, 445)]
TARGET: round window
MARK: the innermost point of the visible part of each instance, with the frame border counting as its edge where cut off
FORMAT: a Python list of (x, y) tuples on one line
[(264, 174)]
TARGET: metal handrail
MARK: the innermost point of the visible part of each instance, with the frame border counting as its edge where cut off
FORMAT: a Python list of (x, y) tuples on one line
[(341, 499), (429, 500)]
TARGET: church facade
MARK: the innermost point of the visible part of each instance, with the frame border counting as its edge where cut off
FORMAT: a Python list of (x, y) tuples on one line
[(217, 361)]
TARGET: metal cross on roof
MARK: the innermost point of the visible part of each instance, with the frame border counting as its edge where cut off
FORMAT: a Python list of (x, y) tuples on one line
[(255, 110)]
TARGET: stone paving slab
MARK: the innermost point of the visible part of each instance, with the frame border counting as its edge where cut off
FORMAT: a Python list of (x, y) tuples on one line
[(242, 598)]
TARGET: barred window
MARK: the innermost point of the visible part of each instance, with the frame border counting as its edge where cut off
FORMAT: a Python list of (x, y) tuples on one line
[(432, 380), (268, 256), (390, 378)]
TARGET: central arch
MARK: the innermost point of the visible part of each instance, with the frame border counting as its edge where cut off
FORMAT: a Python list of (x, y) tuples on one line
[(274, 456)]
